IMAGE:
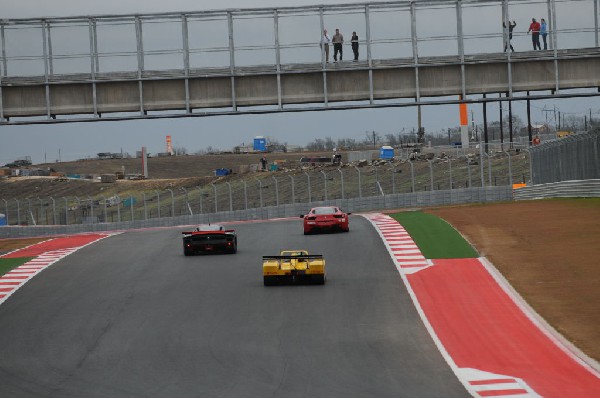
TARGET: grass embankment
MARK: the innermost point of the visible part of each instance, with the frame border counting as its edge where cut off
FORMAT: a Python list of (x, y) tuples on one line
[(434, 236), (7, 245), (8, 264)]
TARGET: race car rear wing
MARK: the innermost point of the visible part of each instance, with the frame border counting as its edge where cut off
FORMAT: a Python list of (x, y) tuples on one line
[(225, 232), (301, 257)]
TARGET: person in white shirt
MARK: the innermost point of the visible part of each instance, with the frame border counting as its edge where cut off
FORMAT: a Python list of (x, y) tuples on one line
[(325, 44)]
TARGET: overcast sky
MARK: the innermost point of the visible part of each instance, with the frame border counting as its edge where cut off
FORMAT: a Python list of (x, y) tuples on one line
[(81, 140)]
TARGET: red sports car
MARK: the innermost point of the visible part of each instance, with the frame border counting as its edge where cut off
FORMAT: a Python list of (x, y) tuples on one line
[(327, 218)]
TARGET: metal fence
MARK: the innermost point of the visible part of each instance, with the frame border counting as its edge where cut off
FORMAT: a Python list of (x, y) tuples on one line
[(312, 184), (562, 189), (393, 201), (571, 158)]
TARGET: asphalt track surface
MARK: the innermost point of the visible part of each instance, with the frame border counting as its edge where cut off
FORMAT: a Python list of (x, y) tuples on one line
[(130, 316)]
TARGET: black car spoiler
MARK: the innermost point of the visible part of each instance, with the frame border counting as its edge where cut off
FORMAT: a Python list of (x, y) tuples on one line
[(223, 232), (301, 257)]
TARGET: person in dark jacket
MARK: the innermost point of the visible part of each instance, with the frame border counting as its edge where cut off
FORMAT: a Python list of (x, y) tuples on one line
[(511, 26), (354, 42)]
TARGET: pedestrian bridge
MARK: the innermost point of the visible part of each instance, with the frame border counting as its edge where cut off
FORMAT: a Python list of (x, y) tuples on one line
[(249, 61)]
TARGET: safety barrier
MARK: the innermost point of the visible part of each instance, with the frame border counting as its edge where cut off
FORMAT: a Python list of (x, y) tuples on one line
[(563, 189)]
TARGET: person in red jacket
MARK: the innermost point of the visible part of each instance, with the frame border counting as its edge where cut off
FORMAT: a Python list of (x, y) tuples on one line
[(534, 28)]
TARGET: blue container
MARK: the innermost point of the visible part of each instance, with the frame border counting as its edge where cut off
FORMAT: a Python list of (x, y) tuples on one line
[(386, 152), (129, 202), (2, 219), (260, 144), (222, 172)]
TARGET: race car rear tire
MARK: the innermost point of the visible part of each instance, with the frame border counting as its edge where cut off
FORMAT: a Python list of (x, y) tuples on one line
[(187, 253), (270, 280), (319, 279)]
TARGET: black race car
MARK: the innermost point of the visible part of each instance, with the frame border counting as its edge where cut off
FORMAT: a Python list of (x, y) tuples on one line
[(209, 238)]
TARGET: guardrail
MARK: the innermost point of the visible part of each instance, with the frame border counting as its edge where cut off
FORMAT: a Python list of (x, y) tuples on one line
[(563, 189)]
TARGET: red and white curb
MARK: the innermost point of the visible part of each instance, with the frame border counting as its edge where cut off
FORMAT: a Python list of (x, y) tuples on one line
[(486, 384), (17, 277), (403, 249), (493, 342), (477, 382)]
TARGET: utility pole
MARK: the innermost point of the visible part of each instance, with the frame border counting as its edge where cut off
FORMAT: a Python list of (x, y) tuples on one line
[(529, 118), (501, 124)]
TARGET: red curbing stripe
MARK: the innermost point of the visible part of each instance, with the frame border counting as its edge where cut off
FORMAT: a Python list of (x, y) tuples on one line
[(7, 289), (491, 381), (6, 276), (502, 393), (2, 295), (9, 283)]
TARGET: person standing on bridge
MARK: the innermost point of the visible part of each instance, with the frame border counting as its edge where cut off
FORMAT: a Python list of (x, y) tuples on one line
[(354, 42), (544, 32), (511, 26), (534, 28), (337, 40), (325, 44)]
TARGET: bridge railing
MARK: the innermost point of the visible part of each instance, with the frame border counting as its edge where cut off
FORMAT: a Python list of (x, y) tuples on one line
[(226, 39)]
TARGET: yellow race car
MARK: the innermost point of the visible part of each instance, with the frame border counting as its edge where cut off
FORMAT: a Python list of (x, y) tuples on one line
[(294, 266)]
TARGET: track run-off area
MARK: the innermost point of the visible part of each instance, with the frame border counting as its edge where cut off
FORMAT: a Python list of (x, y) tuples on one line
[(128, 315)]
